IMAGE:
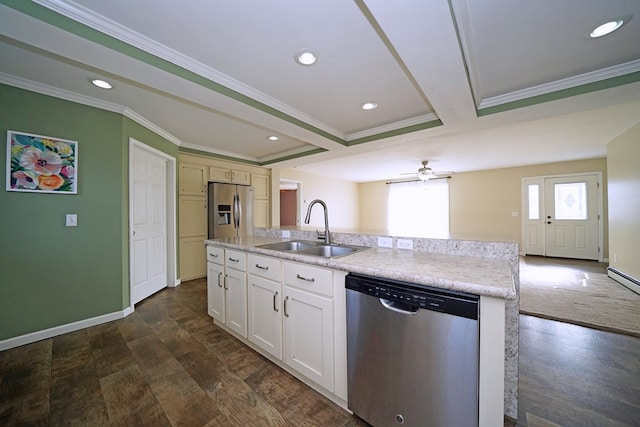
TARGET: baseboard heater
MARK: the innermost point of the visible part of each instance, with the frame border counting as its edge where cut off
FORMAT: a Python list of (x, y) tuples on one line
[(624, 279)]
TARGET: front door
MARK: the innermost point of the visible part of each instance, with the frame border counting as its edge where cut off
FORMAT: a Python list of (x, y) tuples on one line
[(571, 220), (561, 216), (148, 245)]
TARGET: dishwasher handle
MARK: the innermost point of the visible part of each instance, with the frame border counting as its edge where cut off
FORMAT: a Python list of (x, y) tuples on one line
[(399, 307)]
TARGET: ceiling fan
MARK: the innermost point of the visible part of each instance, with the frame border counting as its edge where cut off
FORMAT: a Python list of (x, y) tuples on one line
[(425, 173)]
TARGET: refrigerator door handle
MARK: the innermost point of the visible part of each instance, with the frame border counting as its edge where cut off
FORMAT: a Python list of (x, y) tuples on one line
[(236, 211)]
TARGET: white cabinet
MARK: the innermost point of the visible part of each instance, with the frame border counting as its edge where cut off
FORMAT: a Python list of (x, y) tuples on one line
[(236, 302), (308, 322), (215, 283), (227, 293), (291, 312), (215, 291), (265, 303)]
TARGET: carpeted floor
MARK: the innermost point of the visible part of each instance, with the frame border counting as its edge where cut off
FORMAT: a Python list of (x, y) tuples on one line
[(577, 292)]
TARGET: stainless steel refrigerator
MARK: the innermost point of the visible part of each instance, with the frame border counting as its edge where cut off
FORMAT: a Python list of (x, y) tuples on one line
[(230, 210)]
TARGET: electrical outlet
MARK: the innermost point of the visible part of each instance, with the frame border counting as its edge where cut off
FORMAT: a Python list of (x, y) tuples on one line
[(385, 242), (405, 244), (286, 234), (514, 213)]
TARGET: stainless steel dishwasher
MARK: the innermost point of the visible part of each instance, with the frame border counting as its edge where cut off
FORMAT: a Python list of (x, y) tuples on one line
[(412, 354)]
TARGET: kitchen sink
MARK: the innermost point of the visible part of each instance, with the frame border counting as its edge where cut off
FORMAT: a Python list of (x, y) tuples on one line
[(293, 245), (329, 251), (313, 249)]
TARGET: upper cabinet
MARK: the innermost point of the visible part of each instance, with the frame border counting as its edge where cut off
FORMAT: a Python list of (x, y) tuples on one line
[(234, 176), (261, 184), (193, 179)]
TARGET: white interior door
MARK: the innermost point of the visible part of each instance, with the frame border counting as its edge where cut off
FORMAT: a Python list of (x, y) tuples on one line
[(571, 221), (148, 242)]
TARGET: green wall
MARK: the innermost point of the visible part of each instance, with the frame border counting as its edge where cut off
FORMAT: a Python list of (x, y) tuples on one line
[(51, 275)]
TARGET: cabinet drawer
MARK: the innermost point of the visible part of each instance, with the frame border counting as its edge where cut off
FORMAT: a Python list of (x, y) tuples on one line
[(215, 254), (309, 278), (262, 266), (235, 259)]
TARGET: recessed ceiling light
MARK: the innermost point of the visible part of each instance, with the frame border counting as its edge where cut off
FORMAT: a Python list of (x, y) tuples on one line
[(369, 106), (273, 138), (306, 57), (101, 84), (607, 28)]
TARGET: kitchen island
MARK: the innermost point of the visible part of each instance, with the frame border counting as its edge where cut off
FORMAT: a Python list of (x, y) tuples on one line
[(486, 269)]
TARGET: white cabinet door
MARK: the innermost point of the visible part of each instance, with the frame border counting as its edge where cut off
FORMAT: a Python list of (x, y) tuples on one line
[(308, 340), (236, 308), (265, 316), (215, 291)]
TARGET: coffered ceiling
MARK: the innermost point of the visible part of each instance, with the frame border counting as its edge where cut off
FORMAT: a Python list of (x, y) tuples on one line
[(468, 85)]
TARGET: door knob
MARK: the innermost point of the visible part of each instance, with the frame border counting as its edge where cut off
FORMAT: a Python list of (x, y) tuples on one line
[(548, 222)]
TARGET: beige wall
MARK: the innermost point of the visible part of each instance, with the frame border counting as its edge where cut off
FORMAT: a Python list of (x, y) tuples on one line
[(340, 196), (481, 203), (623, 154), (373, 206)]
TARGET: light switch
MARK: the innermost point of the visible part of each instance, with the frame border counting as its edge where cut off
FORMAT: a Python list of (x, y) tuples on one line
[(72, 220)]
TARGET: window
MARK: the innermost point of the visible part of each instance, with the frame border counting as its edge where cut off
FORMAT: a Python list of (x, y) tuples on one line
[(419, 209), (534, 201), (571, 200)]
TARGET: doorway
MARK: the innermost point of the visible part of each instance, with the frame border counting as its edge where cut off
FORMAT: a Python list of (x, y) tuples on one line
[(289, 203), (151, 221), (562, 216)]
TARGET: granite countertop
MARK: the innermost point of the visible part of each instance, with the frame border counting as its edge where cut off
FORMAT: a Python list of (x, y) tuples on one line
[(475, 275)]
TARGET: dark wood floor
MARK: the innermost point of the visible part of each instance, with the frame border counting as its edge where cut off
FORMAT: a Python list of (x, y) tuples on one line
[(164, 365), (167, 364), (570, 375)]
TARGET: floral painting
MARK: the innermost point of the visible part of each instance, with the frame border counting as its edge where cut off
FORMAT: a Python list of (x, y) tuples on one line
[(41, 164)]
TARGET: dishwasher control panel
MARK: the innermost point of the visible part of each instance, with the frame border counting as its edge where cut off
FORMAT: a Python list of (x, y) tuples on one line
[(415, 295), (402, 295)]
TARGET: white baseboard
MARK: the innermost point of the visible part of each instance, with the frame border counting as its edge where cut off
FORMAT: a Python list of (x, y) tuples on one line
[(624, 279), (63, 329)]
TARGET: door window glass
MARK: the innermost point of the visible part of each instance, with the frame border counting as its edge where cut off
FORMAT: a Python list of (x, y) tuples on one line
[(571, 200), (534, 201)]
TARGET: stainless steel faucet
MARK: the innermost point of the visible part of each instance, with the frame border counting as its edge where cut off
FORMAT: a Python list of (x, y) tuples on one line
[(327, 237)]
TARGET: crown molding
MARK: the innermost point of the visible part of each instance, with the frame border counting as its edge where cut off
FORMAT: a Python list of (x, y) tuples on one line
[(55, 92), (111, 28), (392, 126), (218, 152), (558, 85), (294, 152), (44, 89), (152, 126)]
